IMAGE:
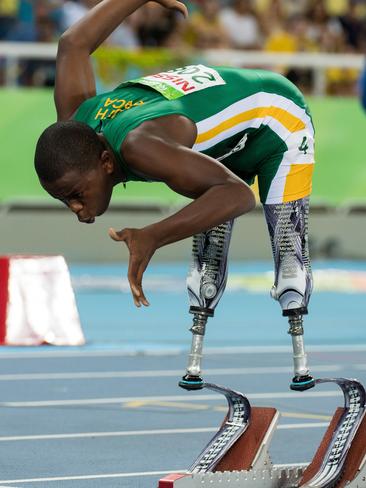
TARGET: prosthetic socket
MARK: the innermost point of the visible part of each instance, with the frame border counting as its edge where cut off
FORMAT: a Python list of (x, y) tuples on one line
[(288, 229), (206, 283)]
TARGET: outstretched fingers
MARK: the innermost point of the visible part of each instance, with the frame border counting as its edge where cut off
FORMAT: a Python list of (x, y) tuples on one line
[(136, 270), (137, 263)]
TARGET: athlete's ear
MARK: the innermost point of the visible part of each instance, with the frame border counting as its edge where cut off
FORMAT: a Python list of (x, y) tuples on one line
[(107, 162)]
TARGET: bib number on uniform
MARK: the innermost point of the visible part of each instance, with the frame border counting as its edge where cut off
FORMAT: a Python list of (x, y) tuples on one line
[(178, 82)]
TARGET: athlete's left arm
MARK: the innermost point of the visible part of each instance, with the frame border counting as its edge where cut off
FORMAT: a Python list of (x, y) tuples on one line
[(75, 81), (161, 149)]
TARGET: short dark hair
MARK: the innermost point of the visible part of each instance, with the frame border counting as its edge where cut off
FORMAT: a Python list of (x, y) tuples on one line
[(66, 146)]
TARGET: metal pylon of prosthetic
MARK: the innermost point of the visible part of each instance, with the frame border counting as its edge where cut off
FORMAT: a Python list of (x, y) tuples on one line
[(206, 283), (302, 379)]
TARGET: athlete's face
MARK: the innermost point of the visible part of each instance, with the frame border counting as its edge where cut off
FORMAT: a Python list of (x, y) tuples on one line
[(86, 194)]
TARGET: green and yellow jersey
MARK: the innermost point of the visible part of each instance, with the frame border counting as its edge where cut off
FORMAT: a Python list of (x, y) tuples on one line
[(254, 122)]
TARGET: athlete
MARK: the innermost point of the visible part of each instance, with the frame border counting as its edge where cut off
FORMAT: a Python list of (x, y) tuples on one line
[(206, 132)]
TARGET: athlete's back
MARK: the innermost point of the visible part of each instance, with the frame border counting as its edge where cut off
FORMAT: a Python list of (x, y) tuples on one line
[(243, 117)]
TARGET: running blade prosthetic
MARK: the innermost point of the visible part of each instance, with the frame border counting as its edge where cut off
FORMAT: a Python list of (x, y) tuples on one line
[(334, 461), (234, 426), (232, 457)]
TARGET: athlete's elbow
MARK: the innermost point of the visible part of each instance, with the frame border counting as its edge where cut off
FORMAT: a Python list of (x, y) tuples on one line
[(70, 41), (65, 45)]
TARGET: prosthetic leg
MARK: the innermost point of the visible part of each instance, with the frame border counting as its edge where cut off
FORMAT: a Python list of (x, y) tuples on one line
[(288, 229), (206, 283), (238, 453)]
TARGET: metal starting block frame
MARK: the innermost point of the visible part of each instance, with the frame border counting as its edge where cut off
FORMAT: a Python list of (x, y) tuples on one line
[(244, 461), (266, 478)]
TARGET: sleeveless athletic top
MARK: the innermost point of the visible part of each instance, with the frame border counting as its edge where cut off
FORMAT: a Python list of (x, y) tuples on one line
[(243, 116)]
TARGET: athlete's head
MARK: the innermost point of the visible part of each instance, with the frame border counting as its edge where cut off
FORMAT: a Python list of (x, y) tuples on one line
[(75, 166)]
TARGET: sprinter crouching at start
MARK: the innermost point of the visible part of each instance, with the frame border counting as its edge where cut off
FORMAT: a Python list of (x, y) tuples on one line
[(204, 131)]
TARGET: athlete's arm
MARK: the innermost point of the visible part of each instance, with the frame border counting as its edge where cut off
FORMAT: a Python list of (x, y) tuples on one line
[(74, 74), (160, 149)]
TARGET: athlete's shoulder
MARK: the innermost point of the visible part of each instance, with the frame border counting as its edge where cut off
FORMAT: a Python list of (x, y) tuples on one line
[(106, 107), (85, 110)]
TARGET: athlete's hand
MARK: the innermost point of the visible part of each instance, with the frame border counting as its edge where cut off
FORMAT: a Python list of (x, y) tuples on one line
[(174, 5), (142, 245)]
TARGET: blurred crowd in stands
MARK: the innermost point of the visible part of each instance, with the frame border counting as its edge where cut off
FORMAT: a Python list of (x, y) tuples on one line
[(335, 26)]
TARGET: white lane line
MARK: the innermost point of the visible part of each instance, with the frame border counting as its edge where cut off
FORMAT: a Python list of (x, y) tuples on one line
[(168, 398), (134, 433), (124, 475), (144, 350), (159, 373), (285, 349), (304, 425), (93, 476), (131, 433)]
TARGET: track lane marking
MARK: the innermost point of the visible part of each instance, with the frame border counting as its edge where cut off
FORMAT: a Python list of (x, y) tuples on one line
[(93, 476), (161, 373), (211, 397), (174, 405), (143, 350), (135, 433), (195, 406), (192, 406), (313, 416), (124, 475)]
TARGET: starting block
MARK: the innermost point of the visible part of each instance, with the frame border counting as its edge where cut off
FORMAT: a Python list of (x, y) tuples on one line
[(238, 457), (37, 302)]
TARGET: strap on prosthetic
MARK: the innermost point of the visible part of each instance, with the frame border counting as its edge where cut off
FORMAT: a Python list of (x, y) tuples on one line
[(206, 283)]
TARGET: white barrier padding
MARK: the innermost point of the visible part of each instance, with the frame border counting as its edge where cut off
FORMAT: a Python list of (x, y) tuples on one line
[(41, 303)]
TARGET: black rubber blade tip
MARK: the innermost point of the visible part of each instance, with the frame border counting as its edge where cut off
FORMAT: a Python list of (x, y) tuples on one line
[(190, 382), (302, 383)]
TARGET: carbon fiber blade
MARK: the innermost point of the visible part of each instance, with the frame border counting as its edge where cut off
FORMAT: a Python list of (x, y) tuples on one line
[(235, 425), (335, 457)]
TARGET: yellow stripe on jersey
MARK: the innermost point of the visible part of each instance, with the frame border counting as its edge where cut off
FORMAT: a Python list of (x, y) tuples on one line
[(298, 182), (292, 123)]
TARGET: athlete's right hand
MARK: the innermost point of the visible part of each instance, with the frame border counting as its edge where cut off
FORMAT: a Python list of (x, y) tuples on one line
[(141, 244), (174, 5)]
